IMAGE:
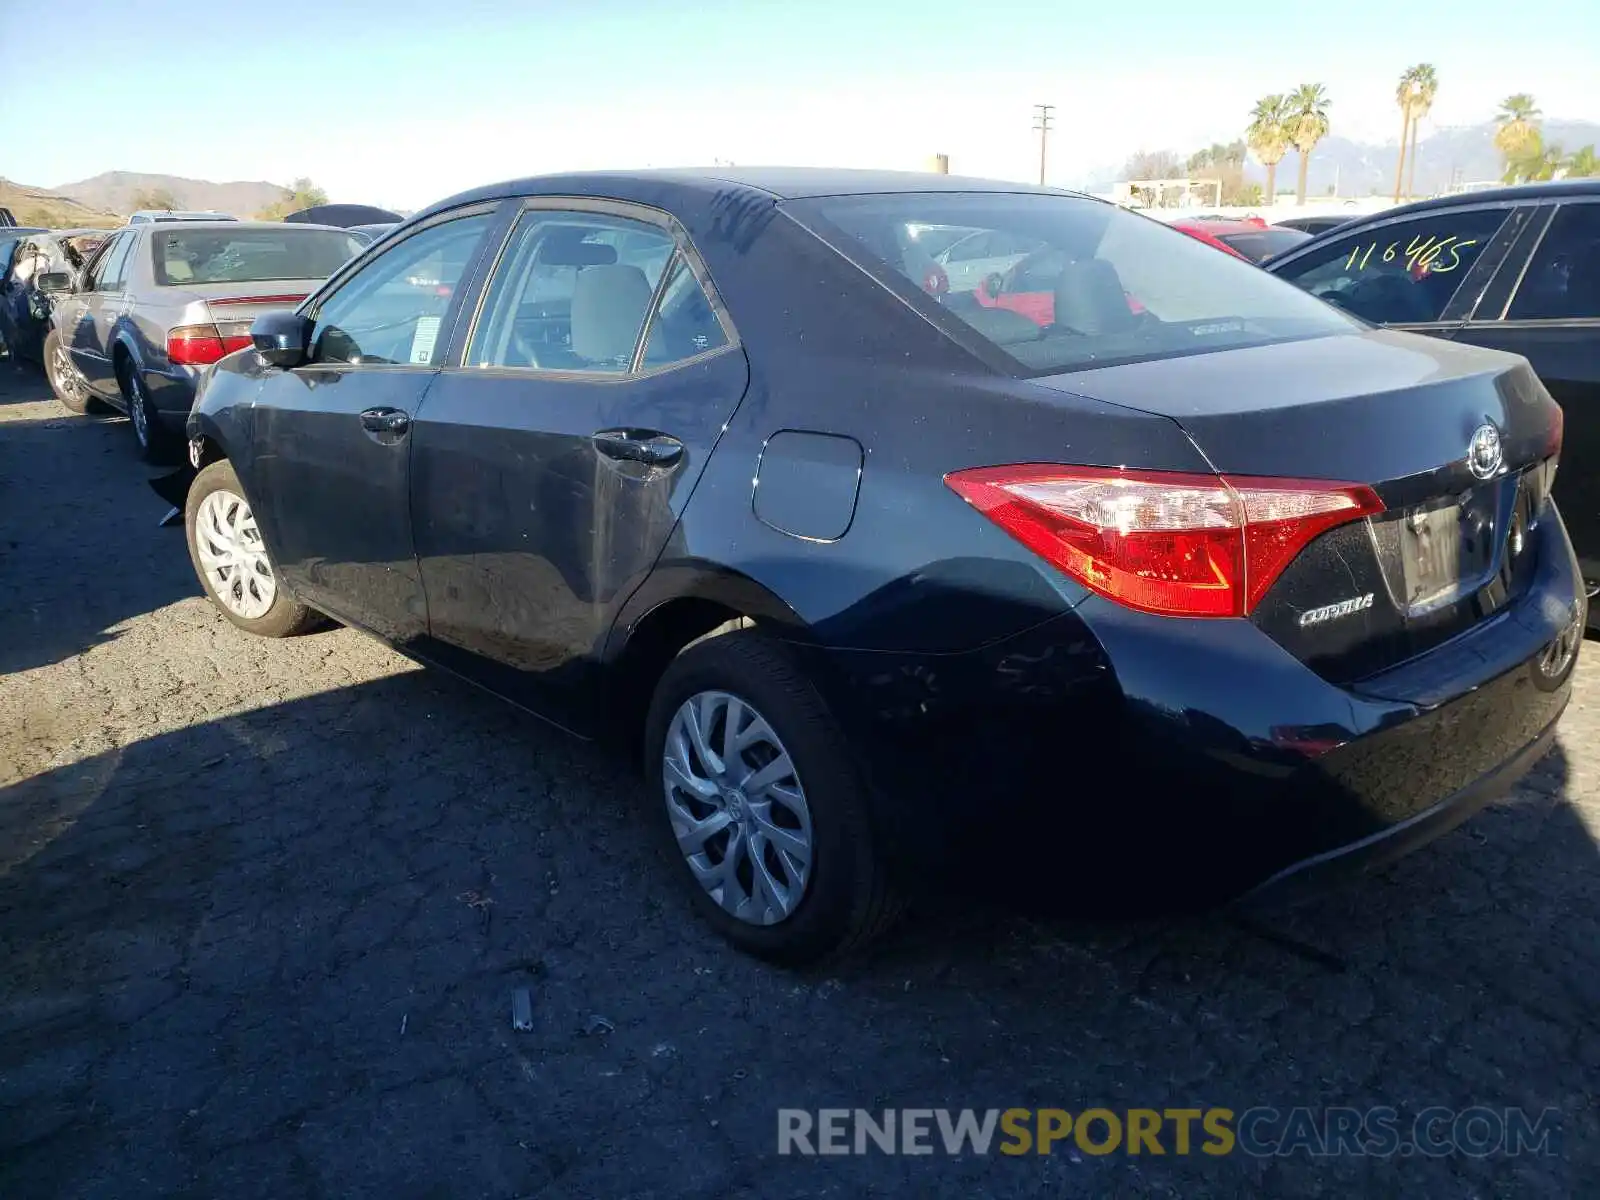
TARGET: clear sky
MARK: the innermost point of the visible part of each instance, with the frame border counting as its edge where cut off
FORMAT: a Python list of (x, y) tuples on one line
[(402, 103)]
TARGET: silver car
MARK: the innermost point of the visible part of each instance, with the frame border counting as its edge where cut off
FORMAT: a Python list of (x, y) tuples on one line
[(160, 302)]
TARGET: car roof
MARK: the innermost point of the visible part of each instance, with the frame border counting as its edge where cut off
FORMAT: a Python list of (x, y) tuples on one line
[(1555, 190), (222, 226), (705, 183)]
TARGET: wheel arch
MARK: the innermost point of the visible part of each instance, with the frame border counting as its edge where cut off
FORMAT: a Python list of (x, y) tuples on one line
[(123, 354), (674, 608)]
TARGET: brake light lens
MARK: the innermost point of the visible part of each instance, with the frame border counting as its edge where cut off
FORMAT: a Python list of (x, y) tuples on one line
[(200, 345), (1159, 541)]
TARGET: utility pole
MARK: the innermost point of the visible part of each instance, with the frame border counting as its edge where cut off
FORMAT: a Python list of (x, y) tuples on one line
[(1041, 122)]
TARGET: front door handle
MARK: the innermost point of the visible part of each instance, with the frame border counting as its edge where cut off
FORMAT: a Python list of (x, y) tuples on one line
[(638, 445), (386, 420)]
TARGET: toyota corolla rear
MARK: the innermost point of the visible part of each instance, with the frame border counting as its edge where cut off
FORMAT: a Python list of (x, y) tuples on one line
[(1317, 605)]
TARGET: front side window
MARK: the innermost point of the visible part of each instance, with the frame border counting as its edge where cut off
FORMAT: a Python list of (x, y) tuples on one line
[(1563, 279), (183, 257), (571, 293), (392, 310), (1081, 283), (1403, 273)]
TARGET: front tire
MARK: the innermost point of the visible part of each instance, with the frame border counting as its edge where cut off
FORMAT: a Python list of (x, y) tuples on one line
[(231, 560), (68, 386), (767, 822)]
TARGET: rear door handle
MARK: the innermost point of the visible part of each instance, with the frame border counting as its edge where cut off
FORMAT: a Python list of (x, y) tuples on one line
[(386, 420), (638, 445)]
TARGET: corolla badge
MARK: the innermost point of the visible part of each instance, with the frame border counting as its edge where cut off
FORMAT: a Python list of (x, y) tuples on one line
[(1484, 456)]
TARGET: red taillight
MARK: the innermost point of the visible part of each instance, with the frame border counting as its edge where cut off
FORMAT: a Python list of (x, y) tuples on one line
[(1161, 541), (198, 345)]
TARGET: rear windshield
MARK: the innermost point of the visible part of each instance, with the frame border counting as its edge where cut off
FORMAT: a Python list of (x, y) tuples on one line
[(191, 256), (1258, 246), (1059, 283)]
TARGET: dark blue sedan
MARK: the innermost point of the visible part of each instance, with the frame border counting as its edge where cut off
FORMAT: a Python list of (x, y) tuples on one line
[(1175, 577)]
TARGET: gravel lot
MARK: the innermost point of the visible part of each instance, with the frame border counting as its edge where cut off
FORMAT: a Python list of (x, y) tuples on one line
[(263, 907)]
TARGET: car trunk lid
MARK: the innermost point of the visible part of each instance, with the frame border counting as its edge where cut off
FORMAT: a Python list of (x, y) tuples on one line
[(1458, 444)]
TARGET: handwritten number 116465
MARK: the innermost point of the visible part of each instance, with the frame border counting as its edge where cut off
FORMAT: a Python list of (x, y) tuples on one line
[(1424, 255)]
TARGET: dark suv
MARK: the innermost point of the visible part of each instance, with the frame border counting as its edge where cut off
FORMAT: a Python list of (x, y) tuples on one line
[(1516, 269)]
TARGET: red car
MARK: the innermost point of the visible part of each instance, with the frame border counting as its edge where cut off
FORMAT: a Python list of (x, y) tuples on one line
[(1249, 238), (1027, 289)]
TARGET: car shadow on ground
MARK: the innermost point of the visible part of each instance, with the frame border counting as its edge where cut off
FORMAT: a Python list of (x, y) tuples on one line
[(70, 491), (274, 952)]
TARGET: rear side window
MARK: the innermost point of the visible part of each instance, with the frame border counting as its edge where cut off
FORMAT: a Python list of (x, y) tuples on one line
[(1397, 274), (197, 256), (1563, 280), (1067, 282), (572, 293), (684, 323)]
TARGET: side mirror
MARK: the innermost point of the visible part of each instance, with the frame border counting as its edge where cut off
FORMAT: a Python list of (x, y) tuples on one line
[(53, 283), (282, 338)]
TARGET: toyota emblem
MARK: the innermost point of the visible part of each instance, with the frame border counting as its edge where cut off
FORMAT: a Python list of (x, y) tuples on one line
[(1484, 456)]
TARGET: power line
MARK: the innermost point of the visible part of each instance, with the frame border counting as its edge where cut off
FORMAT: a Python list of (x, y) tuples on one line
[(1042, 122)]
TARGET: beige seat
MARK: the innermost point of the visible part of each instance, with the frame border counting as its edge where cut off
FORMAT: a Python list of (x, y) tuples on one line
[(178, 270), (609, 302)]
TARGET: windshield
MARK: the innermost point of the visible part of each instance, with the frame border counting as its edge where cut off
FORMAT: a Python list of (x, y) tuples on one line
[(189, 256), (1261, 245), (1059, 283)]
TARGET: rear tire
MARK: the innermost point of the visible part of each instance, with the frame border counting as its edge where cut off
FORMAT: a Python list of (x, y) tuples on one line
[(844, 898), (156, 444), (232, 562), (69, 388)]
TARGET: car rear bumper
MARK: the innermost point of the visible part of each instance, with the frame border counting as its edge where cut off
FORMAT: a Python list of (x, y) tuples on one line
[(1107, 754), (1396, 840)]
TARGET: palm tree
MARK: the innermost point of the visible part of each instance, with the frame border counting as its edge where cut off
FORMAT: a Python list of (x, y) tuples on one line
[(1307, 124), (1426, 80), (1268, 136), (1537, 162), (1405, 95), (1583, 164), (1518, 120)]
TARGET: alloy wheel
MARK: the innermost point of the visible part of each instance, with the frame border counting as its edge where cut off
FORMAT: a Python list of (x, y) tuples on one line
[(63, 376), (137, 412), (737, 808), (231, 552)]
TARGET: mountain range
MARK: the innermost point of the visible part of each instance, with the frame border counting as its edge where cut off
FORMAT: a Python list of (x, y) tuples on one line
[(118, 191)]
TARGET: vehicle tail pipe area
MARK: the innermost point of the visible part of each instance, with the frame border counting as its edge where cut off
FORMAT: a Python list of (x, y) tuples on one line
[(173, 487)]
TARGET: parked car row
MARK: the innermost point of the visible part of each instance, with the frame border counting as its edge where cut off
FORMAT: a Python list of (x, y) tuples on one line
[(902, 525), (162, 300)]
